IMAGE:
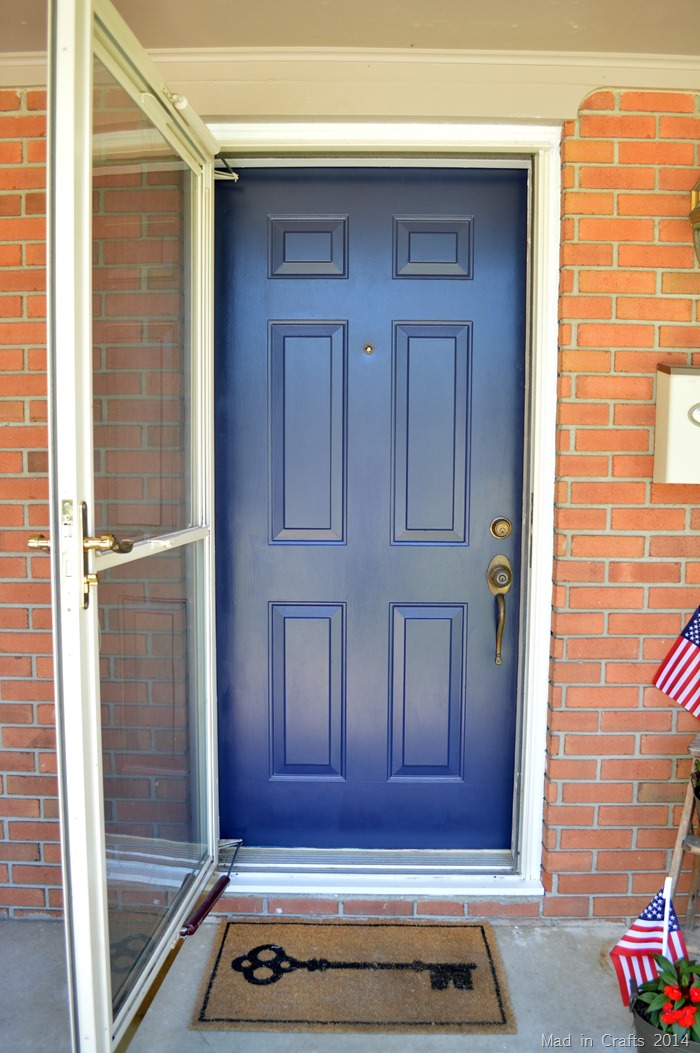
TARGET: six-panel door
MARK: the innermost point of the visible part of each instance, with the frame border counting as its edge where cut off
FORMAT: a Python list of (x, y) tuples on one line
[(369, 397)]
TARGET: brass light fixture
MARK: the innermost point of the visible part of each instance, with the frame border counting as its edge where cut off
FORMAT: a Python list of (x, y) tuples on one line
[(694, 217)]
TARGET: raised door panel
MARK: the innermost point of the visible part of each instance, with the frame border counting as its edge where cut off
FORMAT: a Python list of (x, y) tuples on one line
[(427, 692), (307, 691), (431, 432), (307, 431)]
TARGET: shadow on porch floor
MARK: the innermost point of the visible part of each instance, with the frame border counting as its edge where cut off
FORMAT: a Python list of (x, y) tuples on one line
[(560, 980)]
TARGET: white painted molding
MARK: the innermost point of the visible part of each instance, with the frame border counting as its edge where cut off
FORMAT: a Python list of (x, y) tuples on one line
[(546, 235), (395, 82), (23, 69), (464, 144), (500, 887), (466, 140), (584, 59)]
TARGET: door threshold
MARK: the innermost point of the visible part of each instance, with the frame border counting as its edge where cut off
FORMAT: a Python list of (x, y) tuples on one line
[(343, 872), (373, 861)]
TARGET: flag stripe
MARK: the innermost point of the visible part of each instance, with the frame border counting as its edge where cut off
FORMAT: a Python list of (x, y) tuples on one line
[(681, 660), (685, 675), (665, 671), (690, 684)]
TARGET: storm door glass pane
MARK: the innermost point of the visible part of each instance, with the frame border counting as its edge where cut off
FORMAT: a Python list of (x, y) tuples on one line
[(141, 321), (152, 751)]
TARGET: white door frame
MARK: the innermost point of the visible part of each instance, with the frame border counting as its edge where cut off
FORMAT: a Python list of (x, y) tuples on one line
[(452, 144)]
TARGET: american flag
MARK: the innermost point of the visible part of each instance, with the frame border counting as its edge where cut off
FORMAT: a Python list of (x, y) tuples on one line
[(679, 675), (632, 956)]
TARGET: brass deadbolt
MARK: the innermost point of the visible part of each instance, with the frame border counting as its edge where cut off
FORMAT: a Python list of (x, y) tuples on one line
[(501, 527)]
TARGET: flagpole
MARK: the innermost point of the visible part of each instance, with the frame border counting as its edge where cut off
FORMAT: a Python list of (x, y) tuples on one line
[(668, 887)]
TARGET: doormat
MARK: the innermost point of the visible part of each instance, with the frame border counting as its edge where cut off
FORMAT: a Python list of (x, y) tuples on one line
[(272, 975)]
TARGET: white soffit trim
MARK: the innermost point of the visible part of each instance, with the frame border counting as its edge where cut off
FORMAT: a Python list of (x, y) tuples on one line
[(437, 83)]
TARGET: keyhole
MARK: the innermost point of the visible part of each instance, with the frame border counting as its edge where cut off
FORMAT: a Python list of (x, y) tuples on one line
[(500, 576)]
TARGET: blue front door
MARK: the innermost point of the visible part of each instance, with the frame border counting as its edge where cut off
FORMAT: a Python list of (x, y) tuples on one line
[(370, 386)]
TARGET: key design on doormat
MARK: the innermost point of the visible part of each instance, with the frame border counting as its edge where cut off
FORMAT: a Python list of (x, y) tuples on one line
[(268, 963)]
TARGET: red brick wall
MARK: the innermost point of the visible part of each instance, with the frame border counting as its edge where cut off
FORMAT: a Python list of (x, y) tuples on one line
[(627, 562), (29, 835), (627, 551)]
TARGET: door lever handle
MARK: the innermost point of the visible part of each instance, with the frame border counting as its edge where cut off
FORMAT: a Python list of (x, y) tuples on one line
[(40, 543), (104, 543), (107, 543), (500, 578)]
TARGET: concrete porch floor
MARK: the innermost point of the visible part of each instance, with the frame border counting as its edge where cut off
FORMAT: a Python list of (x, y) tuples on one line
[(560, 980)]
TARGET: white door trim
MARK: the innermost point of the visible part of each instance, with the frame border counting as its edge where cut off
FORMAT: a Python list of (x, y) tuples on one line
[(460, 145)]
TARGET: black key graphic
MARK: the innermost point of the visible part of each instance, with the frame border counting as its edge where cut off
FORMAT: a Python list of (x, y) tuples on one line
[(268, 963)]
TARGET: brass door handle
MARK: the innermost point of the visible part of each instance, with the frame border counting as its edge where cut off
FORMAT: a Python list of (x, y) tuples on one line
[(107, 543), (104, 543), (39, 543), (500, 578)]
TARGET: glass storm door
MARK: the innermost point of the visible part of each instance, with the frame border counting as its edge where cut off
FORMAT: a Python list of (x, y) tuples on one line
[(131, 501)]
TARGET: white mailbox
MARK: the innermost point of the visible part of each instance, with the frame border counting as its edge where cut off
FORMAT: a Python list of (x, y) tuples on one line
[(677, 443)]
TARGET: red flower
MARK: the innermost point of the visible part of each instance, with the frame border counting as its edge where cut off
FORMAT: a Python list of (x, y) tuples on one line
[(694, 994), (672, 992), (669, 1015), (686, 1016)]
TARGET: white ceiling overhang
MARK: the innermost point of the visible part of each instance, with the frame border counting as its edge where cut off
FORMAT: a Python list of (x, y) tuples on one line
[(230, 83), (398, 59), (409, 83)]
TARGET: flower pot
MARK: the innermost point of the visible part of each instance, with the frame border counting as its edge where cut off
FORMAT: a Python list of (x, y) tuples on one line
[(655, 1038)]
